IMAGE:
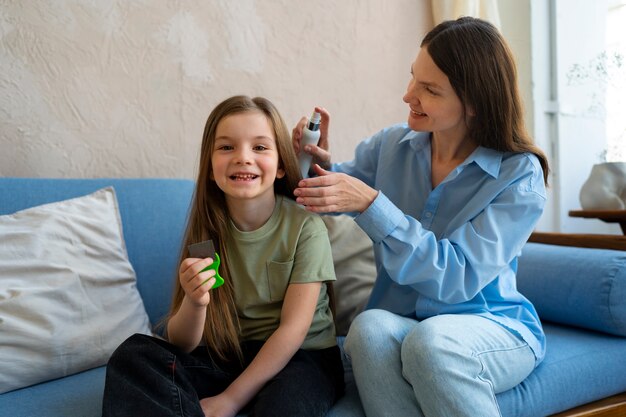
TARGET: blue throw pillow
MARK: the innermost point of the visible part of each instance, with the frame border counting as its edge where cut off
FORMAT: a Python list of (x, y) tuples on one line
[(575, 286)]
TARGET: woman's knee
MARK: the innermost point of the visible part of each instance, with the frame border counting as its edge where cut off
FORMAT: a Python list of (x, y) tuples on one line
[(430, 346), (376, 328)]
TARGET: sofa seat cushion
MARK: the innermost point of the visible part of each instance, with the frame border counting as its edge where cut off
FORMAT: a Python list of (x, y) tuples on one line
[(76, 395), (577, 286), (580, 367)]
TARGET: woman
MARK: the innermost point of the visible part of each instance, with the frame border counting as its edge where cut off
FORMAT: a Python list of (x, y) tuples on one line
[(448, 199)]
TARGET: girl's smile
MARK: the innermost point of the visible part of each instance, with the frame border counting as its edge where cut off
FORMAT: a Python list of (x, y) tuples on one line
[(243, 177)]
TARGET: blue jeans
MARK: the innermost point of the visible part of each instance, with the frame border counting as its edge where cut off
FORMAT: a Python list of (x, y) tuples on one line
[(147, 376), (447, 365)]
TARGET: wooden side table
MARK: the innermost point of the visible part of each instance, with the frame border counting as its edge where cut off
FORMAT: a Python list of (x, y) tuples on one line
[(608, 216)]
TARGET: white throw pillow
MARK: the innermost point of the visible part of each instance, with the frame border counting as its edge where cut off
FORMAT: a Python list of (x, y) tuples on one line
[(68, 294), (353, 257)]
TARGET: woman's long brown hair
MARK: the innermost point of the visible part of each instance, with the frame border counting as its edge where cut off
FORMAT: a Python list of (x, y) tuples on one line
[(208, 219), (481, 69)]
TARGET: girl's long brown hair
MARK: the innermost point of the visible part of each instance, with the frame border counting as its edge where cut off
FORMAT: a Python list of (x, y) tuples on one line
[(481, 69), (208, 219)]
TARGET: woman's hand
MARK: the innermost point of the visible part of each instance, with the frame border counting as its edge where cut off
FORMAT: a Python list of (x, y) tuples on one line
[(334, 192), (196, 284), (321, 154)]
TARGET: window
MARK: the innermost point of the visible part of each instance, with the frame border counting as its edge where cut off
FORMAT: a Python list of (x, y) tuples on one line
[(616, 80), (579, 97)]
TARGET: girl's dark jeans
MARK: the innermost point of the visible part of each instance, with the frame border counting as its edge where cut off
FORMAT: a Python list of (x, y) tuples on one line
[(147, 376)]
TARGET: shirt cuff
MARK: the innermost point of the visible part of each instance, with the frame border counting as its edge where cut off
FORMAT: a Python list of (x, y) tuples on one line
[(380, 218)]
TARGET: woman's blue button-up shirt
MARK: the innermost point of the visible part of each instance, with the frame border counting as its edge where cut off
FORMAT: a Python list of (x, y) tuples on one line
[(452, 249)]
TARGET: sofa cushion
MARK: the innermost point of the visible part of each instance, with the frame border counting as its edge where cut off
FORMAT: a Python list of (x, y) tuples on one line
[(153, 211), (577, 286), (580, 366), (353, 258), (78, 395), (68, 295)]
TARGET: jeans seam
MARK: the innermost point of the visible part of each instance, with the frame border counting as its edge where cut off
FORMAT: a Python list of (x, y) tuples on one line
[(482, 369), (478, 356), (482, 372), (175, 389), (493, 394), (501, 349)]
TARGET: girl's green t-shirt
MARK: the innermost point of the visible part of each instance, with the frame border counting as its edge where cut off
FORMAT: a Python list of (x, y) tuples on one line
[(291, 247)]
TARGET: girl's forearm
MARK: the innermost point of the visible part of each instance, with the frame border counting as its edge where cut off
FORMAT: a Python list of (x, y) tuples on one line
[(271, 359), (186, 327)]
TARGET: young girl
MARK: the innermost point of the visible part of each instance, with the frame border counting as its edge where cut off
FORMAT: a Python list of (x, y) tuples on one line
[(265, 340)]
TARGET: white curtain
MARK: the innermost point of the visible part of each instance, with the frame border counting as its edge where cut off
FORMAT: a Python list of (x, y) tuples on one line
[(452, 9)]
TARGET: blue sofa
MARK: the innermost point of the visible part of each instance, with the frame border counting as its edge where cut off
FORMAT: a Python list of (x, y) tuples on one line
[(580, 293)]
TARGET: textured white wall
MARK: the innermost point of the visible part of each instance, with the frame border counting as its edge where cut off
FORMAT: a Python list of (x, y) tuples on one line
[(121, 88)]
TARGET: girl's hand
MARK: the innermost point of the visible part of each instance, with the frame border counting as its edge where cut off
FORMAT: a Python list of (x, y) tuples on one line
[(219, 406), (321, 154), (334, 192), (196, 284)]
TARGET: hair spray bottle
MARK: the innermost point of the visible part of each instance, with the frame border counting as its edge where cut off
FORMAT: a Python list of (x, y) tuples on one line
[(310, 136)]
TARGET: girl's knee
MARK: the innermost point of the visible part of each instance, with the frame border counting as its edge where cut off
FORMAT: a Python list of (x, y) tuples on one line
[(131, 348)]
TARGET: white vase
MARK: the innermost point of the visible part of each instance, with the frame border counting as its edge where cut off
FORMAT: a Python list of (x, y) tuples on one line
[(605, 189)]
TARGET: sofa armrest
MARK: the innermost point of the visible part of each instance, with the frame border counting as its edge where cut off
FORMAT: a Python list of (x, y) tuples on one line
[(576, 286), (580, 240)]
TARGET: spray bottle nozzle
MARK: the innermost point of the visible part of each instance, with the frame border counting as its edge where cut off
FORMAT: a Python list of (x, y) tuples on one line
[(314, 121), (316, 118)]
